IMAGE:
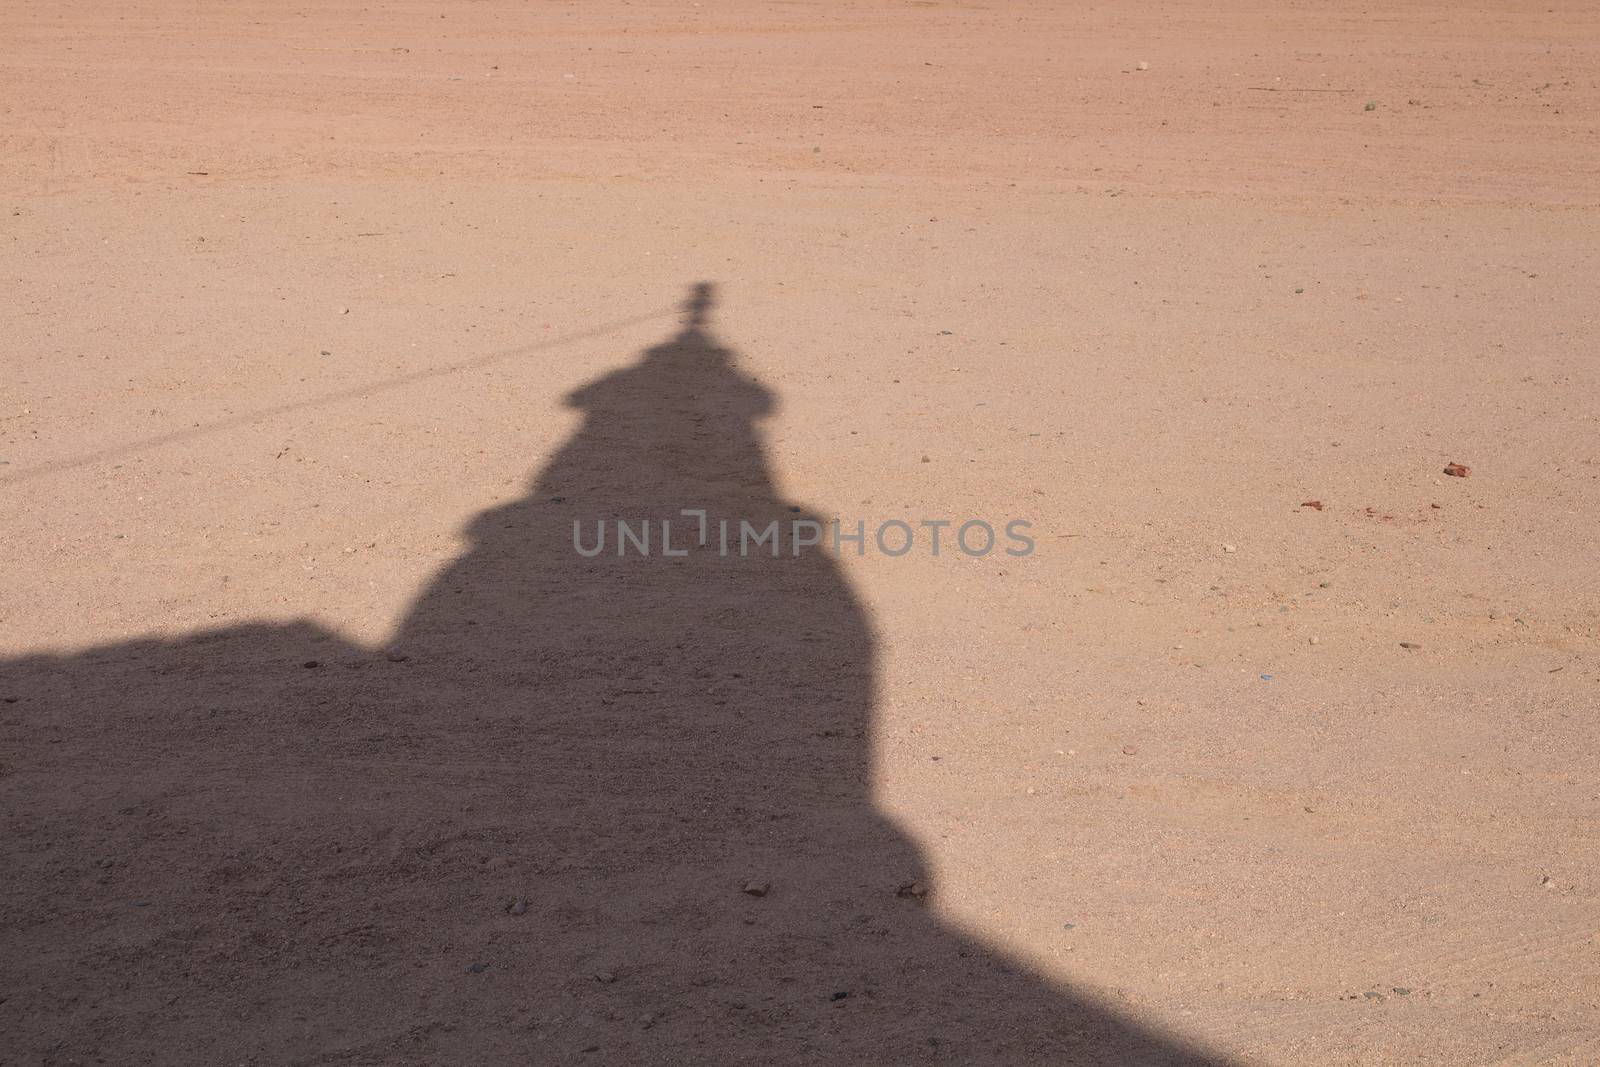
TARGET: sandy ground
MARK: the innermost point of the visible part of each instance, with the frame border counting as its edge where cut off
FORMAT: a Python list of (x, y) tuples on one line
[(322, 323)]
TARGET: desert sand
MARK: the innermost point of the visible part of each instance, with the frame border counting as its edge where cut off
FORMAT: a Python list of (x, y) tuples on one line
[(323, 323)]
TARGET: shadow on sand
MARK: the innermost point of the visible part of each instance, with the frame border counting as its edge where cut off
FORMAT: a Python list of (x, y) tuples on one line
[(269, 845)]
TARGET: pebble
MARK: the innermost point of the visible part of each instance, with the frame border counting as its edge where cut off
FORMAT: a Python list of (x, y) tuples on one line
[(519, 906), (478, 968), (1143, 65), (912, 889), (1313, 641), (311, 664), (1130, 750), (756, 889), (1229, 548), (1409, 644)]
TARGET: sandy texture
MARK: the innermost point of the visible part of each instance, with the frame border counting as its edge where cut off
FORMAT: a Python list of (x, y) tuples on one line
[(322, 324)]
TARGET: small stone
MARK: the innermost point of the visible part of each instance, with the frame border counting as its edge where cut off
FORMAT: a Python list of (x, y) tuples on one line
[(311, 664), (344, 311), (478, 968), (1229, 548), (840, 995), (1372, 994), (1402, 991), (605, 977), (1142, 65), (1324, 585), (1130, 750), (1409, 644), (1457, 470), (925, 459), (518, 906), (756, 889), (1313, 641), (1547, 882), (915, 890), (396, 657)]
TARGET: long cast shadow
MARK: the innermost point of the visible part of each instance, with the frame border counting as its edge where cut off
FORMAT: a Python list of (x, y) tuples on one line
[(610, 809)]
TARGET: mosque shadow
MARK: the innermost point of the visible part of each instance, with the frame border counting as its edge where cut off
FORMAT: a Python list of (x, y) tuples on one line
[(582, 808)]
